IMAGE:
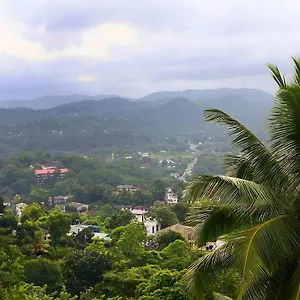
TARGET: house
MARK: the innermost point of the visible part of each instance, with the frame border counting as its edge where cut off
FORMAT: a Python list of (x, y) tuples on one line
[(81, 207), (170, 197), (127, 188), (50, 166), (19, 209), (44, 175), (75, 229), (59, 200), (188, 232), (152, 226), (140, 214)]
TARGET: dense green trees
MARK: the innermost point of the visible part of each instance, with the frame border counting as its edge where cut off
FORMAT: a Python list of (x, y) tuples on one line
[(42, 271), (58, 224), (165, 215), (82, 270), (165, 238), (255, 208)]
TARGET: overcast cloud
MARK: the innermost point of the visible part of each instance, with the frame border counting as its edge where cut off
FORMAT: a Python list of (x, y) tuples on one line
[(135, 47)]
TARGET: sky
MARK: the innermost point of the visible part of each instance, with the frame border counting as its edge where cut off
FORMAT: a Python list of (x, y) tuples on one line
[(135, 47)]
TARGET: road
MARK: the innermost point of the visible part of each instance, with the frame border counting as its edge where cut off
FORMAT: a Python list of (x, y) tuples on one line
[(189, 170)]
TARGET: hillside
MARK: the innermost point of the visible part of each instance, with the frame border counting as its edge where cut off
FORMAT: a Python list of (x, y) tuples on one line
[(46, 102), (117, 123), (252, 95)]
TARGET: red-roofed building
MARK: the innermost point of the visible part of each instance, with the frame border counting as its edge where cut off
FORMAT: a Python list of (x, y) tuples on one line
[(43, 175)]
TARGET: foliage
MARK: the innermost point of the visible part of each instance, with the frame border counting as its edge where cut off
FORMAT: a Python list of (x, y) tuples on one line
[(163, 285), (165, 238), (255, 208), (83, 270), (130, 242), (165, 215), (33, 212), (181, 210), (58, 225), (41, 271), (121, 218)]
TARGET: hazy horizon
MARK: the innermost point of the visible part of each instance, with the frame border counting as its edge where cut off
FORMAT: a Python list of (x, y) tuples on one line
[(134, 48)]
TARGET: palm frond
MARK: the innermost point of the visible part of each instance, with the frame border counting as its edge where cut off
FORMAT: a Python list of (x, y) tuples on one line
[(296, 70), (281, 284), (263, 247), (235, 192), (238, 166), (202, 272), (277, 76), (211, 222), (284, 131), (260, 160), (266, 245)]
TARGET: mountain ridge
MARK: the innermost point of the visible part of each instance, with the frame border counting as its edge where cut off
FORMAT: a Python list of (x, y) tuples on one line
[(50, 101)]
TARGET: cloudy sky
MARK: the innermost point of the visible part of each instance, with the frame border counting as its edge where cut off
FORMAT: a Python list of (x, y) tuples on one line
[(134, 47)]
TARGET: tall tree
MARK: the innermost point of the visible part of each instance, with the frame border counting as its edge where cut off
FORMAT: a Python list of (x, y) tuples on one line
[(255, 208)]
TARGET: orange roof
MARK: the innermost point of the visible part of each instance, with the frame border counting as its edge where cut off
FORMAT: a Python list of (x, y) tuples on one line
[(50, 171)]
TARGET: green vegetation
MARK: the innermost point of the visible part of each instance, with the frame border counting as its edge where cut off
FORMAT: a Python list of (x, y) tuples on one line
[(254, 209)]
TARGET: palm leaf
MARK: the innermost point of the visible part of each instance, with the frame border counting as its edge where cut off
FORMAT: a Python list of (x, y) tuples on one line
[(296, 70), (261, 162), (284, 130), (277, 76), (215, 221), (266, 245), (280, 285), (202, 272), (236, 192)]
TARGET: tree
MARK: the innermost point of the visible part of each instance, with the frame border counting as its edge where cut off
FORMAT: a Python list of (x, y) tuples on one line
[(181, 210), (165, 215), (163, 285), (83, 270), (58, 225), (33, 212), (121, 218), (176, 256), (130, 242), (2, 206), (255, 207), (42, 271), (165, 238)]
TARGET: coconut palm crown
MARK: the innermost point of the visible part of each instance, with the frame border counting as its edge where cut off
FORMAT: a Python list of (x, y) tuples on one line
[(255, 208)]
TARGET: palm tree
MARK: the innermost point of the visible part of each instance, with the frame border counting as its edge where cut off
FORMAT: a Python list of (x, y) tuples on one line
[(255, 209)]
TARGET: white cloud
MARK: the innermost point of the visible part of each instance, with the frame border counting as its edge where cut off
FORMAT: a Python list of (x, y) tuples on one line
[(97, 42), (85, 78)]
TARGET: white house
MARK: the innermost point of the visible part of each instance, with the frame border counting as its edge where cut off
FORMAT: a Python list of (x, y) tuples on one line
[(152, 226), (171, 197), (19, 209), (140, 214)]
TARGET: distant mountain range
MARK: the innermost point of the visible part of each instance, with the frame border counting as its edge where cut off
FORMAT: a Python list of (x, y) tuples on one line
[(89, 124), (46, 102)]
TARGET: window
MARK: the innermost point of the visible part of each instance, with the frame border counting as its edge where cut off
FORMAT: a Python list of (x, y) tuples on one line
[(153, 229), (157, 227)]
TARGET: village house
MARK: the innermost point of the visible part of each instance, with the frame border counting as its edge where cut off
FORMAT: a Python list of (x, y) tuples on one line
[(170, 197), (152, 226), (188, 232), (141, 215), (127, 188), (19, 209), (59, 200)]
